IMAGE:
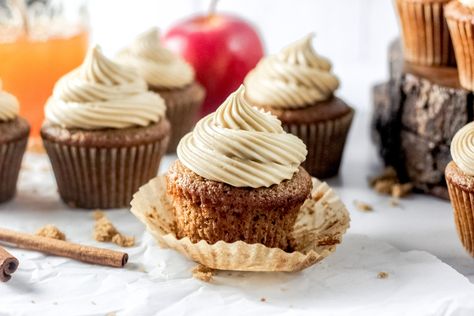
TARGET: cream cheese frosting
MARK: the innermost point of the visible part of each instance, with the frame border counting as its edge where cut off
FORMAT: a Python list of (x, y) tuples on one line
[(462, 149), (294, 78), (467, 3), (156, 64), (241, 146), (103, 94), (9, 106)]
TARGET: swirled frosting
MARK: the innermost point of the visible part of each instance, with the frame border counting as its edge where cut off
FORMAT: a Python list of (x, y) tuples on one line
[(103, 94), (9, 106), (241, 146), (295, 77), (155, 63), (462, 149), (467, 3)]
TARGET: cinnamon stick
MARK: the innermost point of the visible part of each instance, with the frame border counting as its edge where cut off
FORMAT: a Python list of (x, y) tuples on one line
[(8, 265), (100, 256)]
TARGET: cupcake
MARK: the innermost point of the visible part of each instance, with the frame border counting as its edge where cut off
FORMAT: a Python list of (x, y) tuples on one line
[(425, 34), (171, 77), (460, 17), (460, 178), (104, 133), (14, 132), (238, 178), (298, 87)]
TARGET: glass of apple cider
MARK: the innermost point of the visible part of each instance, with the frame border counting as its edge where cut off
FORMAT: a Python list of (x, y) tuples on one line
[(40, 40)]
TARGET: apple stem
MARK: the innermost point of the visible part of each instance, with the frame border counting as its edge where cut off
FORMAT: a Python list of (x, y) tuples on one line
[(213, 7)]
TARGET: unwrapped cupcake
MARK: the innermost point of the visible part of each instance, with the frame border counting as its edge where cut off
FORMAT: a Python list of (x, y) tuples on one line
[(460, 17), (297, 86), (238, 177), (460, 178), (171, 77), (425, 34), (104, 133), (14, 132)]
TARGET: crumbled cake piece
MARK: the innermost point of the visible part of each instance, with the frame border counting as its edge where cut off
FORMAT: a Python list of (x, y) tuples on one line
[(203, 273), (388, 183), (51, 231), (384, 186), (382, 275), (401, 190), (105, 231), (362, 206)]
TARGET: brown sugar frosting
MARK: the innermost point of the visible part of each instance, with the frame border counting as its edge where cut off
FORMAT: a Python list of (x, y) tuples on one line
[(462, 149), (9, 106)]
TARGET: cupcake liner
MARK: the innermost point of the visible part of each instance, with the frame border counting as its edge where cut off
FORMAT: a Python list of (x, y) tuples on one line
[(462, 33), (463, 203), (426, 38), (96, 177), (321, 223), (325, 142), (181, 110), (11, 154)]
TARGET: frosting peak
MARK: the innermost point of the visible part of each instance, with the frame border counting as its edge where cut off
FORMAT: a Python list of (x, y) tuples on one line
[(103, 94), (9, 106), (462, 149), (241, 146), (156, 64), (295, 77)]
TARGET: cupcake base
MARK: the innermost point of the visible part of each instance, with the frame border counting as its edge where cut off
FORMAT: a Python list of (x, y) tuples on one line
[(182, 107), (13, 140), (461, 193), (103, 168), (213, 211), (323, 127)]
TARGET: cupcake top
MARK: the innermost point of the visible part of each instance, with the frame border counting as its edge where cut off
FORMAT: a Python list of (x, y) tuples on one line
[(9, 106), (462, 149), (103, 94), (294, 78), (241, 146), (155, 63)]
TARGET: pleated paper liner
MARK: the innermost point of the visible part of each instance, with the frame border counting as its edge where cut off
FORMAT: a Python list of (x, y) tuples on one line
[(463, 202), (425, 34), (325, 142), (95, 177), (182, 107), (11, 154), (322, 222), (462, 33)]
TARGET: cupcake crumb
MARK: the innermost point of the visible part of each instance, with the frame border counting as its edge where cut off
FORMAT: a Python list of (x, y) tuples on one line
[(401, 190), (51, 231), (203, 273), (263, 299), (105, 231), (382, 275), (388, 183), (362, 206)]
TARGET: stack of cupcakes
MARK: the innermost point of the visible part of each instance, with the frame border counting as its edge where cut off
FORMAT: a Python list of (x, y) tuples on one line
[(297, 86)]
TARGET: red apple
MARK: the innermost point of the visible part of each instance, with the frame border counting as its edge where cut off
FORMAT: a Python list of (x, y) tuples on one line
[(222, 48)]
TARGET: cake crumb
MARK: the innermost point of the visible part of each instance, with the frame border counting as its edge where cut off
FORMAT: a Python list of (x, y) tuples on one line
[(203, 273), (388, 183), (362, 206), (382, 275), (51, 231), (401, 190), (105, 231), (263, 299)]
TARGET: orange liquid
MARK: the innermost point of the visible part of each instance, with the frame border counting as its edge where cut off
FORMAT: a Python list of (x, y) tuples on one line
[(29, 69)]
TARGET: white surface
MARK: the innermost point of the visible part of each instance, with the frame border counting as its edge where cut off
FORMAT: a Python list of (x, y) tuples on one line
[(159, 279)]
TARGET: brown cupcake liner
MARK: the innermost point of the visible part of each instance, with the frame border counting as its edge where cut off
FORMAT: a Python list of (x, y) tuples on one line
[(11, 154), (462, 33), (325, 141), (463, 205), (322, 221), (425, 33), (182, 108), (96, 177)]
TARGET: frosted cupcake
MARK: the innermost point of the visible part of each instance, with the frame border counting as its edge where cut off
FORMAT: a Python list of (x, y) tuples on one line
[(238, 177), (171, 77), (104, 132), (460, 178), (297, 86), (460, 17), (14, 132), (425, 34)]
